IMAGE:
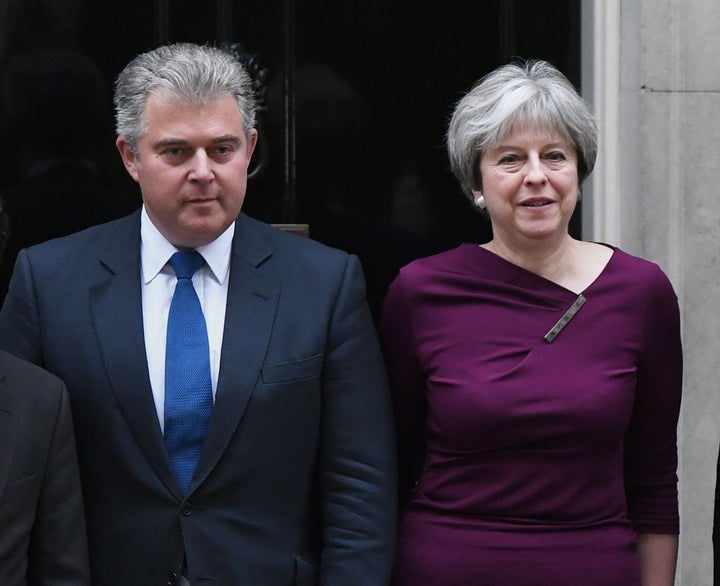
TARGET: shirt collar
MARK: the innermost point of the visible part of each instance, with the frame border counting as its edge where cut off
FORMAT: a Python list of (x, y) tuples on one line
[(155, 251)]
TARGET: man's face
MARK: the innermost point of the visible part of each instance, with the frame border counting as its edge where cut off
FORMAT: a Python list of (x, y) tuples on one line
[(192, 166)]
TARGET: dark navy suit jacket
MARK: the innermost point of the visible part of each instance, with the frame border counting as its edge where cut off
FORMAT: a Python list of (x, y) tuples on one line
[(42, 528), (296, 481)]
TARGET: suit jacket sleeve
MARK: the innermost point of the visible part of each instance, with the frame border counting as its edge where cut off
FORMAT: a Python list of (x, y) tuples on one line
[(58, 554), (357, 467)]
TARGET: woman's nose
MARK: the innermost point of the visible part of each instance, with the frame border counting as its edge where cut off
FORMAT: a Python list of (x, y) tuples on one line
[(535, 174)]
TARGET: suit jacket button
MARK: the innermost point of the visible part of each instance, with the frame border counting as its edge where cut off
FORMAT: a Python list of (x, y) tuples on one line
[(186, 511)]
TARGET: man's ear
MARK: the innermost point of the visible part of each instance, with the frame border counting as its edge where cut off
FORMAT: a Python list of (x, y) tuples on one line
[(129, 158), (252, 141)]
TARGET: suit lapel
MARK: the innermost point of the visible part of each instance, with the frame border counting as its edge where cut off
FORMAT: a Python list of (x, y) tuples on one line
[(8, 434), (116, 307), (253, 295)]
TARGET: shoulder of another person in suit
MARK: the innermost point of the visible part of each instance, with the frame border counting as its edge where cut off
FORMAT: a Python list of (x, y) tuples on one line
[(28, 382)]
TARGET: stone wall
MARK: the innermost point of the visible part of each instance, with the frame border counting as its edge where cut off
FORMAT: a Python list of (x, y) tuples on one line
[(662, 81)]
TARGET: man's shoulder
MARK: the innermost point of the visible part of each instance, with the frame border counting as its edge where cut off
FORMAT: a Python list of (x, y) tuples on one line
[(29, 383), (12, 365), (301, 263), (290, 246), (112, 231), (76, 252)]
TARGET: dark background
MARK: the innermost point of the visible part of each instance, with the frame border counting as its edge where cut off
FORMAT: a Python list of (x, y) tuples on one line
[(354, 100)]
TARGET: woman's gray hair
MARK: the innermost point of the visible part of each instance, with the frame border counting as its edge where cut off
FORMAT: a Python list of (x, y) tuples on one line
[(532, 93), (182, 72)]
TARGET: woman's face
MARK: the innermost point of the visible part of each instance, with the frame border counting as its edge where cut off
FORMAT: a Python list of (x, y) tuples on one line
[(530, 185)]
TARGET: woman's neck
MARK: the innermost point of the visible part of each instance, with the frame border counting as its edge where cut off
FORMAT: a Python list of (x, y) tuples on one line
[(550, 260), (572, 264)]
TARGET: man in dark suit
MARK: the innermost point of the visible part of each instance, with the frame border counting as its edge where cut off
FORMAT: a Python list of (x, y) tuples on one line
[(290, 478), (42, 526)]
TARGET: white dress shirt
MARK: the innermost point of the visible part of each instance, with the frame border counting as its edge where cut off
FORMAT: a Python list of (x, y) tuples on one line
[(158, 286)]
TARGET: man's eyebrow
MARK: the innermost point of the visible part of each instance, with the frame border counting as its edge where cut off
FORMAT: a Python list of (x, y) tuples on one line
[(166, 142), (170, 142), (228, 138)]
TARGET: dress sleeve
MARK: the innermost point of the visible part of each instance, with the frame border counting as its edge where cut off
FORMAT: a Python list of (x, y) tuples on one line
[(651, 442), (407, 384)]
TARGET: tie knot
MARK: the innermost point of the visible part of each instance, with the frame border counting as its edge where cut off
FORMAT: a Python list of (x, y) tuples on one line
[(186, 263)]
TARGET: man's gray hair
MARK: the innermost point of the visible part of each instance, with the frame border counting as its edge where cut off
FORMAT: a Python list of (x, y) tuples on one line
[(182, 72)]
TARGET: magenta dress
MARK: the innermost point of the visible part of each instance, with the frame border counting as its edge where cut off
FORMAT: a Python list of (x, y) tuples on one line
[(523, 462)]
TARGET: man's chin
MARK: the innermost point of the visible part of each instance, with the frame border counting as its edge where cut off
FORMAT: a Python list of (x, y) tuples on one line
[(198, 234)]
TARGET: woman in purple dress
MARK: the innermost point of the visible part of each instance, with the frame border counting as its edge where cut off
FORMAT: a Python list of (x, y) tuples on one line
[(536, 377)]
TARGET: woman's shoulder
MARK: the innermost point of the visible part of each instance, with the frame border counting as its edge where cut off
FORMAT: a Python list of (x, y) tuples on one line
[(426, 272), (628, 261), (453, 260), (639, 273)]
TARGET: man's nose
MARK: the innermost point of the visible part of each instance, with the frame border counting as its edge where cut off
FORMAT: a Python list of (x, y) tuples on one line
[(201, 169)]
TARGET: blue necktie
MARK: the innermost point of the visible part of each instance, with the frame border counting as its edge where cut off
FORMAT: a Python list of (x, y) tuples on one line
[(188, 387)]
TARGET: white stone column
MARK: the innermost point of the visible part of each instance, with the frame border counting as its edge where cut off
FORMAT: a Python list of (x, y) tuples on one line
[(662, 160)]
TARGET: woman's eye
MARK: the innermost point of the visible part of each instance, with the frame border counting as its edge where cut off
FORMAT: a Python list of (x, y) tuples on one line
[(556, 156), (506, 159)]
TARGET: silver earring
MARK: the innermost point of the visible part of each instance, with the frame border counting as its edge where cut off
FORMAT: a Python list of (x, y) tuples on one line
[(579, 194), (480, 202)]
